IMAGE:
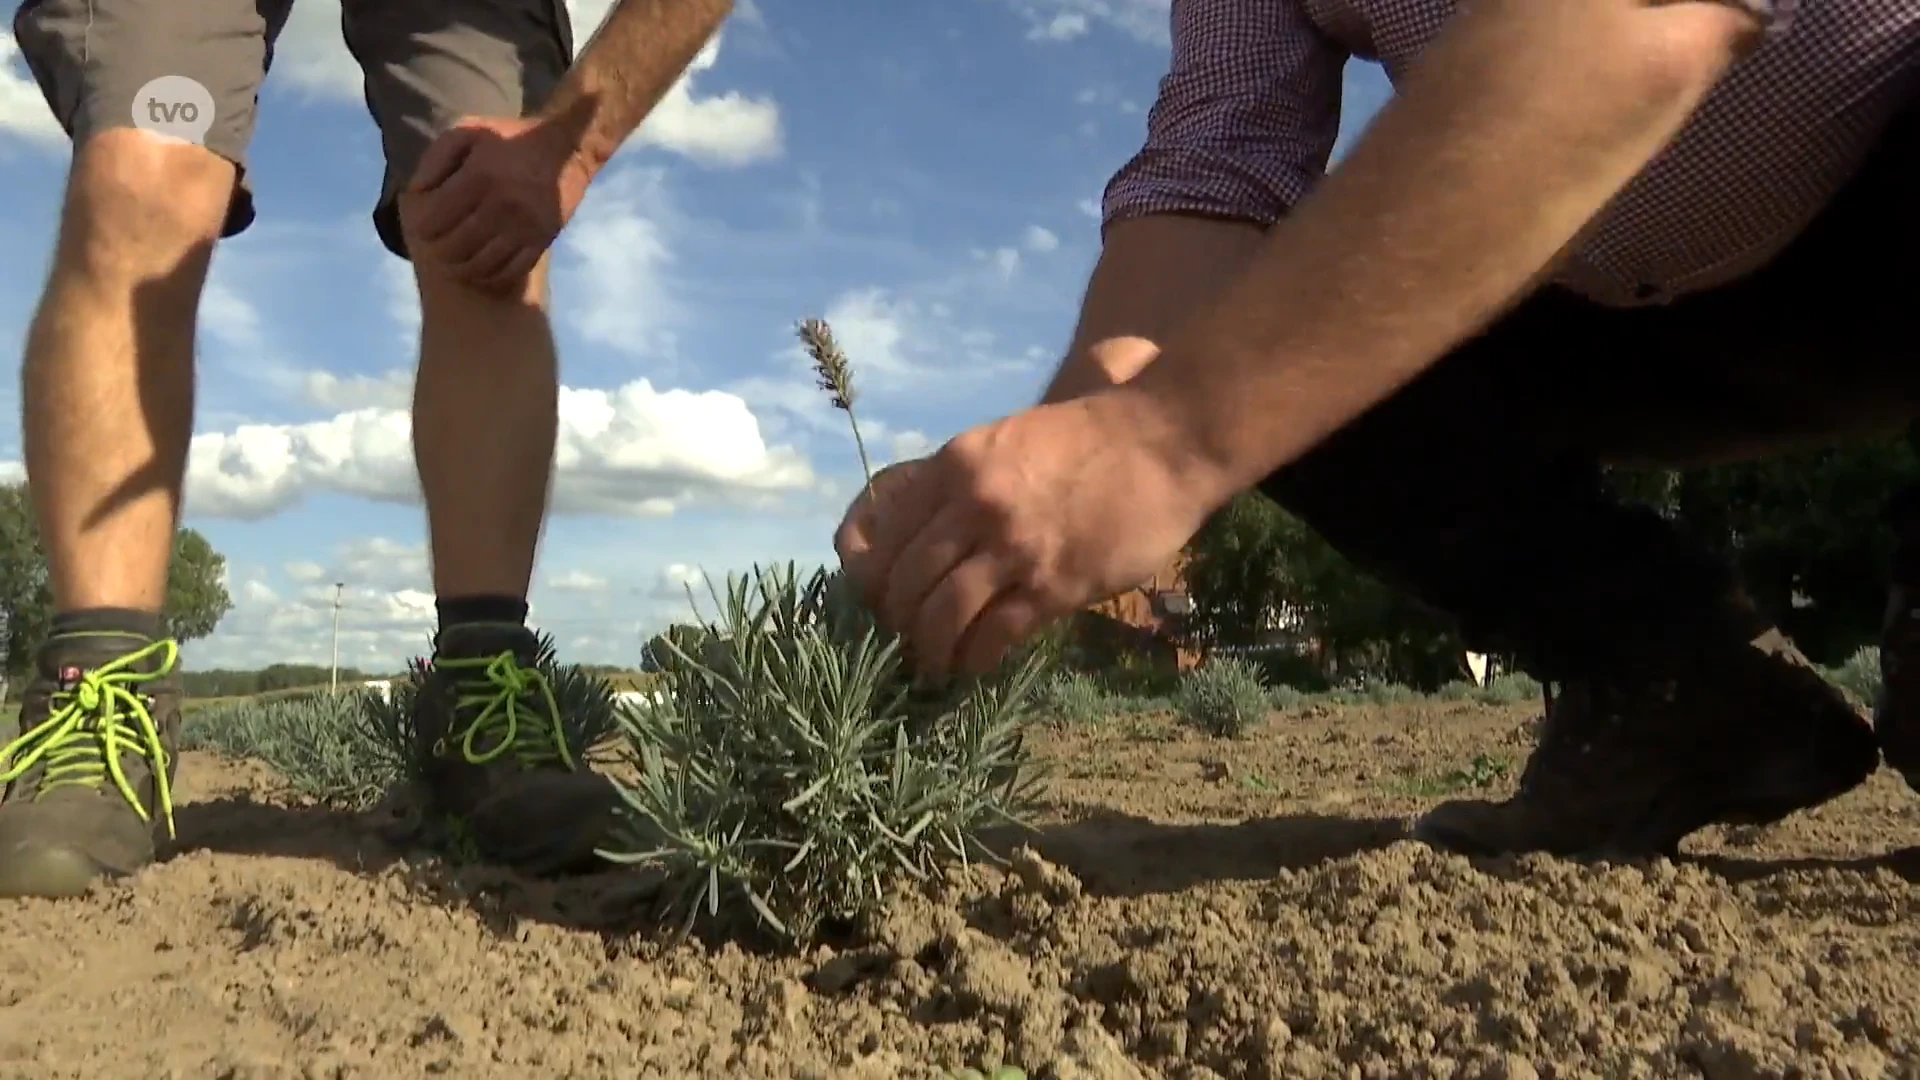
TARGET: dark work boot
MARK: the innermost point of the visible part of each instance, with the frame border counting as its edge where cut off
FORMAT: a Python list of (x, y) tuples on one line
[(497, 761), (88, 781), (1629, 766), (1896, 712)]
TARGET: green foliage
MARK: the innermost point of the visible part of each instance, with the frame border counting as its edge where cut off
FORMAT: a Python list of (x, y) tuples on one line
[(1485, 771), (196, 600), (657, 652), (320, 746), (197, 596), (221, 682), (1223, 697), (588, 709), (1806, 523), (1254, 566), (796, 770), (1074, 697), (1859, 677)]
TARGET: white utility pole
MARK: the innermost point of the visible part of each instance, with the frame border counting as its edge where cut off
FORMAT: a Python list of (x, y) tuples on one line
[(333, 680)]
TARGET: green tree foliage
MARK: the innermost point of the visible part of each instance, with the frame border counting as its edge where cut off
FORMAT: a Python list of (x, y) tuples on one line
[(1258, 574), (197, 597), (1806, 525), (222, 682), (685, 637), (1804, 530)]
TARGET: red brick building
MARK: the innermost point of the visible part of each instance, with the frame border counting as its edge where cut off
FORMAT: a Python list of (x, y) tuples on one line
[(1143, 620)]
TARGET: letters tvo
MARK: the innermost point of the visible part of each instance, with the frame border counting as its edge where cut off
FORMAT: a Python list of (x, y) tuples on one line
[(182, 112)]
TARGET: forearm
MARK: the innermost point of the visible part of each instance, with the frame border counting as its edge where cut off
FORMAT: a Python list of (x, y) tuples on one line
[(1153, 273), (626, 68), (1519, 124)]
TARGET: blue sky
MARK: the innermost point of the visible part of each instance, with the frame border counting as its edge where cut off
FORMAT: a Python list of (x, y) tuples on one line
[(923, 175)]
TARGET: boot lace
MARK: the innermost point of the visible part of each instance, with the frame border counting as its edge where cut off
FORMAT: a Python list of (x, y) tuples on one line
[(500, 693), (91, 725)]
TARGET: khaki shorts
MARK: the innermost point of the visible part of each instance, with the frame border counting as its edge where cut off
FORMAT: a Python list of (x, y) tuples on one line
[(426, 64)]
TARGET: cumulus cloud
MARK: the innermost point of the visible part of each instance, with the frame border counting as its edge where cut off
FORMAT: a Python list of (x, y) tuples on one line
[(23, 110), (1063, 26), (727, 129), (1145, 21), (1005, 261), (631, 450), (576, 581), (910, 444), (392, 390), (612, 284), (1040, 240)]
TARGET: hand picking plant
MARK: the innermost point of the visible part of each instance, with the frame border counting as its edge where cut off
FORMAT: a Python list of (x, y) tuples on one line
[(793, 770)]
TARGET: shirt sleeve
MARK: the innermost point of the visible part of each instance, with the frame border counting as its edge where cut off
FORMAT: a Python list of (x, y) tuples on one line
[(1246, 116)]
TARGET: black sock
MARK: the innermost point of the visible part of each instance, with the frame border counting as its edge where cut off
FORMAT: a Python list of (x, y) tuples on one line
[(467, 610), (146, 624)]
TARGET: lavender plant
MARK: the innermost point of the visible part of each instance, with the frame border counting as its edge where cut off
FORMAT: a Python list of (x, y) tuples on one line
[(794, 770)]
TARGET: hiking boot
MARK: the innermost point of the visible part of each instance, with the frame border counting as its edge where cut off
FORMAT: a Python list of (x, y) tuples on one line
[(1896, 711), (1627, 768), (88, 781), (496, 759)]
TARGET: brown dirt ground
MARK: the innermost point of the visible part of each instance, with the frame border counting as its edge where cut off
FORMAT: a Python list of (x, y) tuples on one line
[(1195, 909)]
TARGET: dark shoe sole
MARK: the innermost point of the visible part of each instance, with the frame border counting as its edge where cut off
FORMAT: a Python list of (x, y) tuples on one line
[(47, 872)]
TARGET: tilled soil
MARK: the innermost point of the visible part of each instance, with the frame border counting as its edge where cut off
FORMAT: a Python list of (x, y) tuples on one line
[(1192, 908)]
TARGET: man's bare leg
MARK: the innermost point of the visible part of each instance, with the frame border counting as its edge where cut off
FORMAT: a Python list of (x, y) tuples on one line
[(107, 381), (484, 423), (108, 415)]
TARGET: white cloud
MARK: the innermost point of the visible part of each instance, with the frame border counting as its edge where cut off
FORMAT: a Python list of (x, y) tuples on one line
[(1040, 240), (392, 390), (729, 129), (23, 110), (675, 579), (1064, 26), (378, 562), (403, 296), (1005, 261), (576, 581), (1089, 207), (632, 450), (910, 444), (304, 571), (1145, 21), (611, 286), (230, 318)]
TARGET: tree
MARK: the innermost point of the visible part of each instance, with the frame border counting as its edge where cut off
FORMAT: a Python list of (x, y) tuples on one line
[(197, 597), (1804, 531), (1253, 565), (655, 654)]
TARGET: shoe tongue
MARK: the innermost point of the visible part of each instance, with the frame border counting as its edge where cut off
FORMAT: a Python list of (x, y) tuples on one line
[(62, 659)]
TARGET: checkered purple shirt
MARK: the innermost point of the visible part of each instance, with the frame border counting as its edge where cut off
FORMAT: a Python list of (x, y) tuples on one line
[(1248, 112)]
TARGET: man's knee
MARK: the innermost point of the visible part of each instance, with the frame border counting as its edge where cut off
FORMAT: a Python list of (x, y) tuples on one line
[(137, 205), (443, 294)]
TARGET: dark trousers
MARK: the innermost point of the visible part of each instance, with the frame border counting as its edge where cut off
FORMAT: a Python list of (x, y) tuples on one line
[(1477, 487)]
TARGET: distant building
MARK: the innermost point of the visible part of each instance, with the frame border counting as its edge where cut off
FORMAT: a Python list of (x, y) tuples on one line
[(1149, 619)]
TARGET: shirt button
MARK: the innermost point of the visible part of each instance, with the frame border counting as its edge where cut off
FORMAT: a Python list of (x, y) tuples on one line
[(1646, 291)]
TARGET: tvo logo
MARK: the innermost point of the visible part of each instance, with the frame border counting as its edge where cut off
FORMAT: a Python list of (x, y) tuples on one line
[(175, 107)]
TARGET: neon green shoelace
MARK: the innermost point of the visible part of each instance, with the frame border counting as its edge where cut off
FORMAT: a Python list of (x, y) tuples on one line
[(498, 692), (91, 725)]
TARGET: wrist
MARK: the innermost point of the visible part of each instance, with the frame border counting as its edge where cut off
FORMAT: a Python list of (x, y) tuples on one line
[(1176, 436)]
